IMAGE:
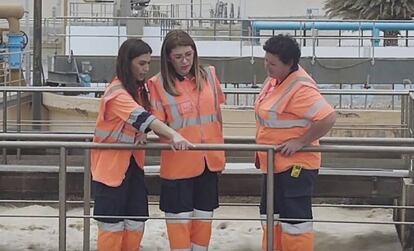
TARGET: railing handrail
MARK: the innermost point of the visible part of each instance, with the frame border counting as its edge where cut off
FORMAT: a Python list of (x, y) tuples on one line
[(225, 90), (222, 147), (234, 19), (232, 139)]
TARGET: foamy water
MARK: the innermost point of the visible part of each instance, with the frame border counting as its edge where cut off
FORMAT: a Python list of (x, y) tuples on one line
[(42, 234)]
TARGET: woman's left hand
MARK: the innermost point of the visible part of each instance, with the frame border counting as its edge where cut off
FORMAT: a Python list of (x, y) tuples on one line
[(290, 147)]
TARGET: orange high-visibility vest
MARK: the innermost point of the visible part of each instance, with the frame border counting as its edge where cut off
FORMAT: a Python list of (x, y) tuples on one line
[(109, 166), (197, 117), (277, 120)]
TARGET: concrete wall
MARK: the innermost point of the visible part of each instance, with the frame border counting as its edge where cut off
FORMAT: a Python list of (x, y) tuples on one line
[(244, 70), (80, 115), (281, 8), (71, 113)]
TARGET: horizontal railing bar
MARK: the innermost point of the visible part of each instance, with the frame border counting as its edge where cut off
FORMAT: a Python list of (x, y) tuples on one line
[(225, 90), (326, 91), (235, 37), (245, 139), (209, 218), (249, 169), (224, 204), (239, 147), (231, 19)]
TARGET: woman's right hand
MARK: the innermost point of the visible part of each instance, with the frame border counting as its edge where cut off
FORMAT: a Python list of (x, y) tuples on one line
[(178, 142)]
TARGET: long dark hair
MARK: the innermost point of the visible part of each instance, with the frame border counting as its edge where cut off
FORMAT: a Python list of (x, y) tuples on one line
[(172, 40), (129, 50)]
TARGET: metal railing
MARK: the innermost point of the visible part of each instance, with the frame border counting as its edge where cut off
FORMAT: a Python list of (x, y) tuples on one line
[(64, 146), (234, 95), (14, 94), (231, 29)]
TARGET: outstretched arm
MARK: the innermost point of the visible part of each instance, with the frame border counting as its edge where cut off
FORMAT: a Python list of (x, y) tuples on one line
[(178, 141)]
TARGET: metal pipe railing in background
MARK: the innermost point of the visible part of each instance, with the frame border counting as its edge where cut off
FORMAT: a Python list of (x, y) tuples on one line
[(410, 131), (37, 61), (411, 114), (227, 24), (19, 118), (235, 91), (409, 141), (404, 103), (4, 150)]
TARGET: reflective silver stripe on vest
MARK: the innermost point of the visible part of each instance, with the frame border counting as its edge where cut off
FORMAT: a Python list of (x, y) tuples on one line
[(315, 108), (132, 225), (115, 135), (147, 122), (178, 121), (111, 227), (296, 229), (204, 119), (273, 121), (134, 115), (178, 217), (118, 136)]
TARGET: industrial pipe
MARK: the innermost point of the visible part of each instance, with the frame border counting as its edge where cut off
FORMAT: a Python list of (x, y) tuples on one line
[(12, 13), (376, 27)]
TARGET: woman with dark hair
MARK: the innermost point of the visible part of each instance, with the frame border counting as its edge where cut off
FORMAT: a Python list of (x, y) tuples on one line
[(118, 175), (291, 114), (187, 97)]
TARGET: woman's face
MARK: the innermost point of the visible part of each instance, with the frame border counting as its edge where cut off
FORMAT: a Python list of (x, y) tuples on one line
[(140, 66), (276, 68), (182, 58)]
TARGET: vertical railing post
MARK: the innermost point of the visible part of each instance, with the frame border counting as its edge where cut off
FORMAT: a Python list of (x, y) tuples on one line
[(4, 123), (62, 199), (5, 111), (19, 120), (404, 114), (269, 206), (119, 32), (351, 99), (403, 215), (410, 114), (86, 200), (37, 64), (410, 122), (392, 97)]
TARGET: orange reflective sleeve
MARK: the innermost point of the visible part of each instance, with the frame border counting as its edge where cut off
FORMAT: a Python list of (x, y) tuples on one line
[(308, 103), (157, 108), (124, 107)]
